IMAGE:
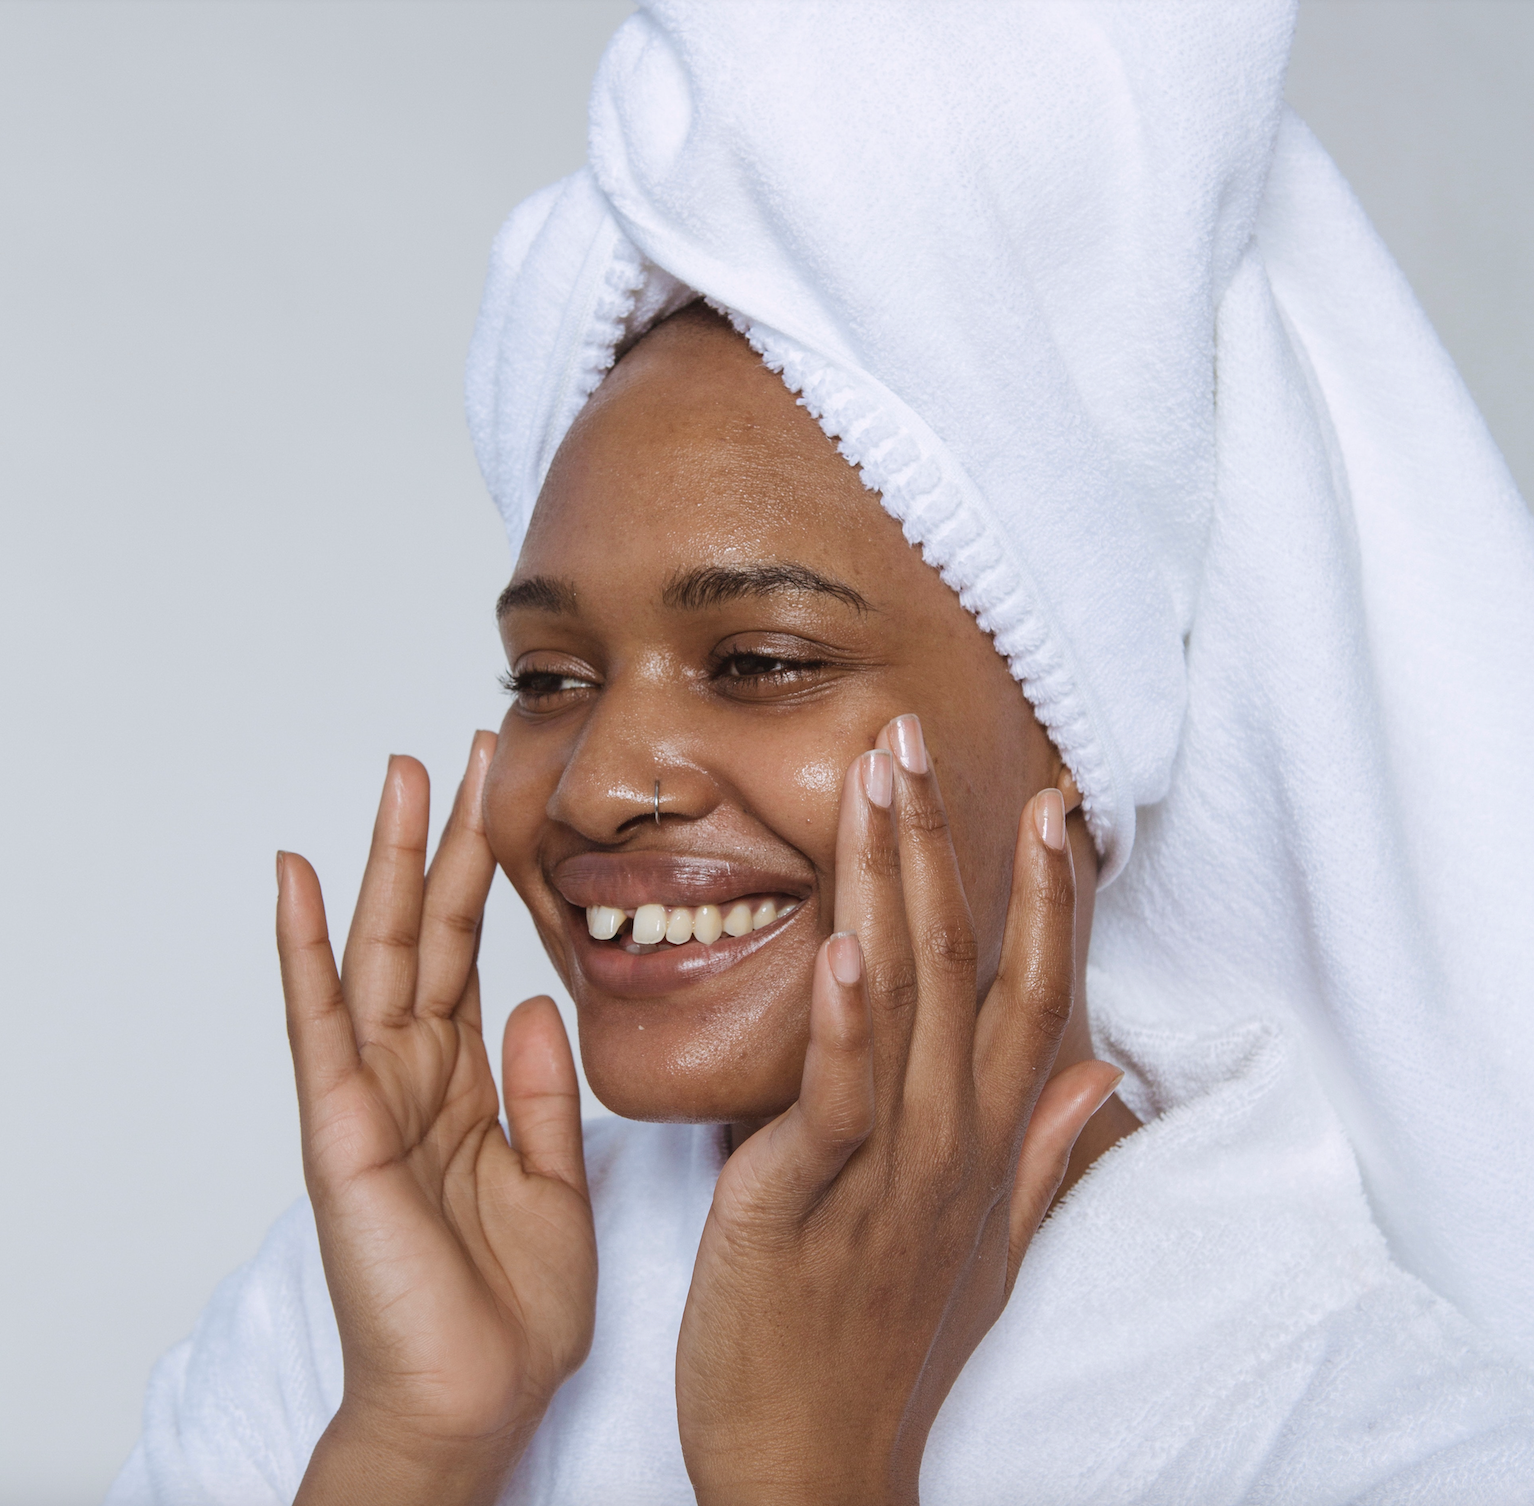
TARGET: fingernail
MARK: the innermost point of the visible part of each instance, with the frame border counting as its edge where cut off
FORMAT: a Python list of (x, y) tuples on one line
[(1113, 1088), (1049, 817), (279, 871), (910, 746), (879, 777), (846, 958)]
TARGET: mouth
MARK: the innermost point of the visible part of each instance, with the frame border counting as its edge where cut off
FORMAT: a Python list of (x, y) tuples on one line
[(645, 924), (651, 926)]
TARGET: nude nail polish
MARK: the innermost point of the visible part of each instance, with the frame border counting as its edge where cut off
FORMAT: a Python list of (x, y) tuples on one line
[(1113, 1088), (846, 958), (879, 777), (910, 745), (1049, 816)]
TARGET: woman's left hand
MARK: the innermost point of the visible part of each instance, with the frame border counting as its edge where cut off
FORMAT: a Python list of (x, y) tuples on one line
[(862, 1243)]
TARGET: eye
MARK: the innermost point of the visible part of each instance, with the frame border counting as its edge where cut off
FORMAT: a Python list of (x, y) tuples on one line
[(543, 689), (759, 675), (763, 666)]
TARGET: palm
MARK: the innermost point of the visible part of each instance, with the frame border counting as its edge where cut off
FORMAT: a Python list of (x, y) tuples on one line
[(462, 1269)]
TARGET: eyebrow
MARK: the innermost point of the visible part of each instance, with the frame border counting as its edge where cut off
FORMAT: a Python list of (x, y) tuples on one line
[(543, 593), (692, 590), (712, 585)]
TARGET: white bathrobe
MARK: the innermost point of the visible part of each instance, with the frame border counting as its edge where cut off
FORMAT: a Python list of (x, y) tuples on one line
[(1211, 1316)]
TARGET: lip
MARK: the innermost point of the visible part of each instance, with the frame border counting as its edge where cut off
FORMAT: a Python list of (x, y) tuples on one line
[(647, 975), (630, 879)]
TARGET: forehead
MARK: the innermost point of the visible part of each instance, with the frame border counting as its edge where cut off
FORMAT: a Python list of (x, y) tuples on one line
[(693, 443)]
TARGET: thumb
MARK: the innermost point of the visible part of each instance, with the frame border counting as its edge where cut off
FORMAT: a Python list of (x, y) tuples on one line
[(1068, 1101), (542, 1093), (786, 1166)]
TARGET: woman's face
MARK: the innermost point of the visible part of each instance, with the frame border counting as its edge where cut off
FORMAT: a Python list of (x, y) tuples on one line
[(708, 597)]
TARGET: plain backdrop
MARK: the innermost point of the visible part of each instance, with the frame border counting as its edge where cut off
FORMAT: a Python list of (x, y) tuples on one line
[(245, 553)]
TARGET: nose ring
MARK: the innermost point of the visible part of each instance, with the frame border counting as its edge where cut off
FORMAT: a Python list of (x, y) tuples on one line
[(657, 802)]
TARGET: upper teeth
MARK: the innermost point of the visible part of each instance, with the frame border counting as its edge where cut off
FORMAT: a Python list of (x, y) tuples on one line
[(679, 923)]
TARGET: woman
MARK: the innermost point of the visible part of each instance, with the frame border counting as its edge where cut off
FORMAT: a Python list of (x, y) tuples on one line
[(1141, 573)]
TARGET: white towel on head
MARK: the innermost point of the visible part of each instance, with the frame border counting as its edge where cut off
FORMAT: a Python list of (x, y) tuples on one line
[(1107, 332)]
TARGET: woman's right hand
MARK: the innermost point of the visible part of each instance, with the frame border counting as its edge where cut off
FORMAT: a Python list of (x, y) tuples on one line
[(462, 1268)]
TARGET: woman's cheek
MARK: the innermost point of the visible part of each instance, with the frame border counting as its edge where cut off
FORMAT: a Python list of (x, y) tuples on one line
[(515, 800), (819, 782), (795, 786)]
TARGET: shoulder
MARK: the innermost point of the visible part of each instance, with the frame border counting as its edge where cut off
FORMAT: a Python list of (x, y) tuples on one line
[(1397, 1397), (233, 1412), (1213, 1313)]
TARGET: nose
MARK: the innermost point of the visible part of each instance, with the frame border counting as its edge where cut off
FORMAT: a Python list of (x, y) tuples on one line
[(636, 756)]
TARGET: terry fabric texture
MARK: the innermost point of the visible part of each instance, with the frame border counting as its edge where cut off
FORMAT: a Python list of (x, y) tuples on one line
[(1104, 328), (1210, 1317)]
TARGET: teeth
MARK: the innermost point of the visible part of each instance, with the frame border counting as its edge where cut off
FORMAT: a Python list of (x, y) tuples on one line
[(649, 924), (679, 924), (604, 922)]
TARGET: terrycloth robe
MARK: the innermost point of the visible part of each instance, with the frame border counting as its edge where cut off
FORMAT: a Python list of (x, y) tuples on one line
[(1209, 1317)]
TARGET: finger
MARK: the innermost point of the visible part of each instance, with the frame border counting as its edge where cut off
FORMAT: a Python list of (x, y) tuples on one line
[(1025, 1013), (870, 902), (378, 970), (468, 1010), (456, 885), (319, 1028), (938, 922), (542, 1093), (1068, 1101), (834, 1114)]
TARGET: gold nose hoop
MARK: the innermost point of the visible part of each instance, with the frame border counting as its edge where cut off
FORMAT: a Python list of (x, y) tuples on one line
[(657, 802)]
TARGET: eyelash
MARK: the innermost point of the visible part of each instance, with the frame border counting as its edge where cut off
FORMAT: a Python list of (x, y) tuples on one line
[(785, 667), (530, 683)]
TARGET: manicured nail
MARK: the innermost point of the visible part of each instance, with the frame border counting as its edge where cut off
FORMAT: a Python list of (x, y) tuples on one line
[(1113, 1088), (846, 958), (1049, 817), (879, 777), (910, 746)]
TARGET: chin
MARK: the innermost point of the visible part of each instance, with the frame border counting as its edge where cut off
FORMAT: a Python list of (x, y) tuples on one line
[(717, 1051), (662, 1097)]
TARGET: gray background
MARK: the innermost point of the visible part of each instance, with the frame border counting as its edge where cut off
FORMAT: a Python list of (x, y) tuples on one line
[(244, 553)]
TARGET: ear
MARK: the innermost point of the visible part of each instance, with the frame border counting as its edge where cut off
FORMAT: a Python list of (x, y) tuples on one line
[(1065, 782)]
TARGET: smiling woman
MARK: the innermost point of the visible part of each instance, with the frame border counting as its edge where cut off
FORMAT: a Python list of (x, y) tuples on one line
[(740, 650), (799, 947), (883, 596)]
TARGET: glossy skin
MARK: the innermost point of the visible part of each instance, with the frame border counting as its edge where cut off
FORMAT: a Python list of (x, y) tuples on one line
[(708, 597), (693, 455)]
